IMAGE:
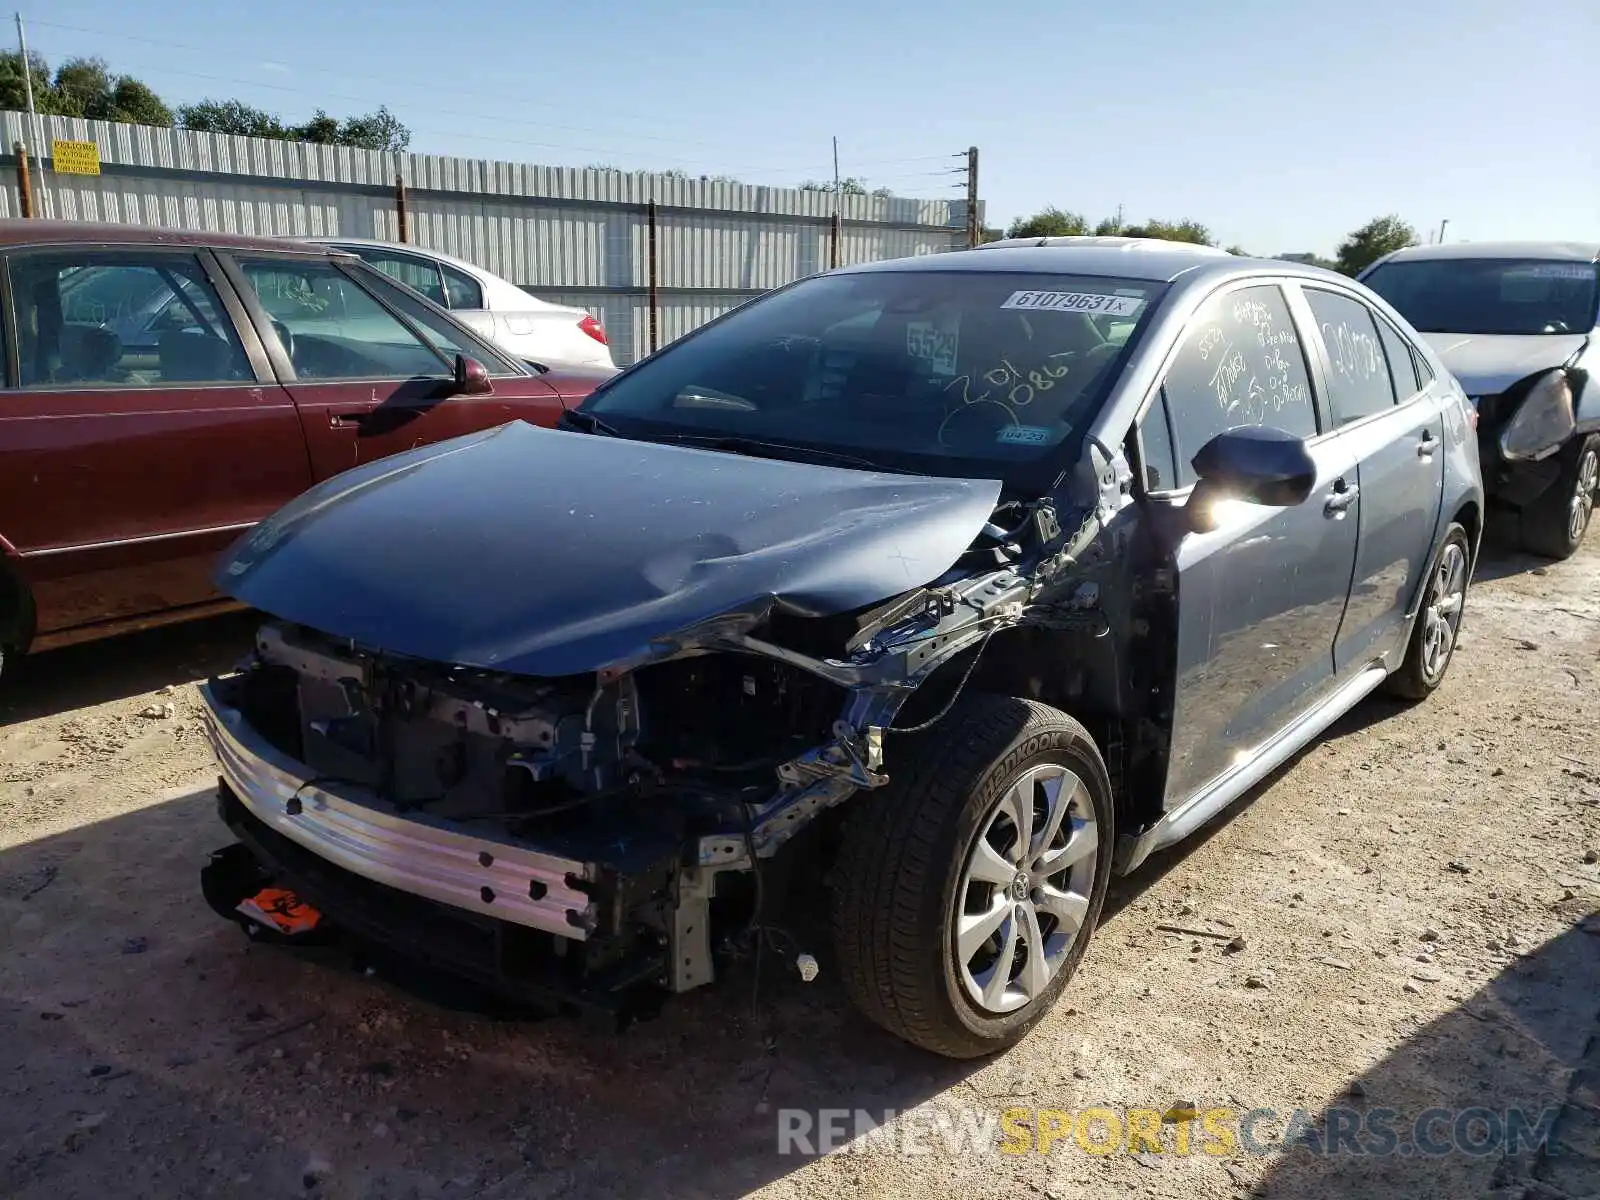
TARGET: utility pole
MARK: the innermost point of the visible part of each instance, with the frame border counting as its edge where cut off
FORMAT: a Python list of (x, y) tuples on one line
[(973, 229), (1442, 226), (33, 113)]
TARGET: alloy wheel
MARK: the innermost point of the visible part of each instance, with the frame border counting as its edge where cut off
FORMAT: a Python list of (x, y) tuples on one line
[(1583, 494), (1025, 888), (1441, 618)]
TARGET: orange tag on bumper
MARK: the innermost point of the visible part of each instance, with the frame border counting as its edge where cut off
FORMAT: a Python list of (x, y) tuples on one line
[(281, 910)]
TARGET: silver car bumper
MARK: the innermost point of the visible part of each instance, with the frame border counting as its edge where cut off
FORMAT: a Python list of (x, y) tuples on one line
[(356, 830)]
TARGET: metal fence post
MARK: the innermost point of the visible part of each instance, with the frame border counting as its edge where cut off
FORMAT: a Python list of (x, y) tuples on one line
[(401, 219), (650, 253), (24, 184)]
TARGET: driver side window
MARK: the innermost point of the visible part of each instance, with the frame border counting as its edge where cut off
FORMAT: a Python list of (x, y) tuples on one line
[(1240, 364), (332, 328)]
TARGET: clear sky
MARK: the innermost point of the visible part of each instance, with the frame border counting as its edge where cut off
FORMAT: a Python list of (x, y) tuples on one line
[(1281, 124)]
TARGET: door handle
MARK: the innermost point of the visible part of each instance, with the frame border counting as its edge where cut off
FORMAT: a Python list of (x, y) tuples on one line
[(1339, 499), (358, 419), (1427, 444)]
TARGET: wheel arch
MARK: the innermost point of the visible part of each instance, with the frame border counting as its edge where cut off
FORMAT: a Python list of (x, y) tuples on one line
[(1469, 515), (18, 617), (1075, 673)]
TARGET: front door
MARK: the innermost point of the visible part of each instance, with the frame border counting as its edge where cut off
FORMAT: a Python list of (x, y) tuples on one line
[(370, 368), (140, 431), (1395, 431), (1259, 598)]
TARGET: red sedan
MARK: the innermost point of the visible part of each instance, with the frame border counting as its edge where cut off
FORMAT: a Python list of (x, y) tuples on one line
[(165, 390)]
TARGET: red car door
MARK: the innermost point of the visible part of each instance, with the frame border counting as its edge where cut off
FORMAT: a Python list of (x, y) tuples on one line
[(140, 431), (370, 366)]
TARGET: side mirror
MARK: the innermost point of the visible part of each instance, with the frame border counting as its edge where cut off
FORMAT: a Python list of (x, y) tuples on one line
[(472, 378), (1255, 463)]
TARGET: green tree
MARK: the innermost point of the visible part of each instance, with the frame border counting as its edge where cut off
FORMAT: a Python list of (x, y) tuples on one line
[(1110, 227), (134, 103), (13, 88), (847, 187), (83, 87), (230, 116), (1372, 241), (1049, 222), (378, 130), (1238, 250), (320, 128), (1172, 231)]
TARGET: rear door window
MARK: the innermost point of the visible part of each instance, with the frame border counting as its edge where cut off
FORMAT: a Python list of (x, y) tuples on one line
[(121, 319), (1240, 364), (1359, 384), (1402, 367), (462, 289), (417, 274)]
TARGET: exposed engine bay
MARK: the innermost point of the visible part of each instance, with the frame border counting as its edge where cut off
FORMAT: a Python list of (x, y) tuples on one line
[(529, 757), (579, 836)]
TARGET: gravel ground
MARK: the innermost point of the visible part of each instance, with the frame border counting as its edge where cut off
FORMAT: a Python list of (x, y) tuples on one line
[(1415, 902)]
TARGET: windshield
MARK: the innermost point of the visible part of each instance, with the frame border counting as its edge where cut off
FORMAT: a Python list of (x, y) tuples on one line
[(951, 373), (1490, 295)]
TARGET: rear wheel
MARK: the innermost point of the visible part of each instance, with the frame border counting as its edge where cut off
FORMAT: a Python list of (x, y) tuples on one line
[(1554, 524), (967, 889), (1433, 638)]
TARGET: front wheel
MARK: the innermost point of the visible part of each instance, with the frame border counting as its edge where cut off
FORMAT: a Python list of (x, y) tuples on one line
[(966, 890), (1554, 524)]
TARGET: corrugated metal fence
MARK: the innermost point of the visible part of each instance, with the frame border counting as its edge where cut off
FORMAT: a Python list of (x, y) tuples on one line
[(571, 235)]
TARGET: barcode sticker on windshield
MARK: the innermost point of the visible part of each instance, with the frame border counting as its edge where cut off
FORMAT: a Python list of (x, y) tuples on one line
[(1024, 435), (935, 346), (1085, 302), (1560, 270)]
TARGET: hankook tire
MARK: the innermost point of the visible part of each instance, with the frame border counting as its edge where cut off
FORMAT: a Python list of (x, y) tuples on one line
[(967, 888)]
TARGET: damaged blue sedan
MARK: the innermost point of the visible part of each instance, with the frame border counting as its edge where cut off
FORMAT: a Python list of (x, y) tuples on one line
[(941, 587)]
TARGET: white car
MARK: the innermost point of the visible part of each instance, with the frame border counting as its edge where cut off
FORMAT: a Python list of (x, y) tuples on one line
[(530, 328)]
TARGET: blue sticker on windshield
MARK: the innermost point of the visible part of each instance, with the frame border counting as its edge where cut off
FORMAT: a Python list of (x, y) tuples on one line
[(1024, 435)]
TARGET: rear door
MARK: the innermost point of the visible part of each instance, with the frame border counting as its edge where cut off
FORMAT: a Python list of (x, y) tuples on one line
[(371, 368), (140, 429), (1394, 429)]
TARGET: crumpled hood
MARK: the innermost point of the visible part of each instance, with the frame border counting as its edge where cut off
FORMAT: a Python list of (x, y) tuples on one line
[(1489, 363), (544, 552)]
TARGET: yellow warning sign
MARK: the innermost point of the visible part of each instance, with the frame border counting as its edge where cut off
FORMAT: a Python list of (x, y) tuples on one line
[(75, 158)]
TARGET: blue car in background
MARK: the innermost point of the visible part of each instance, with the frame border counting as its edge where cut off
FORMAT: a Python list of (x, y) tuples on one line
[(952, 584)]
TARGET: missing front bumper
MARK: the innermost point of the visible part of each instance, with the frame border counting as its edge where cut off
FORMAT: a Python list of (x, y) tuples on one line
[(358, 832)]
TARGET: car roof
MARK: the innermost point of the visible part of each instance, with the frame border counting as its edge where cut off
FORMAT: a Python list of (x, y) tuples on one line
[(1108, 241), (1551, 251), (27, 232), (405, 248), (1158, 264)]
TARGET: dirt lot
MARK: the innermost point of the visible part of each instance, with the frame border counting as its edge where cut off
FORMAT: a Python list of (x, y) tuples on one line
[(1414, 895)]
